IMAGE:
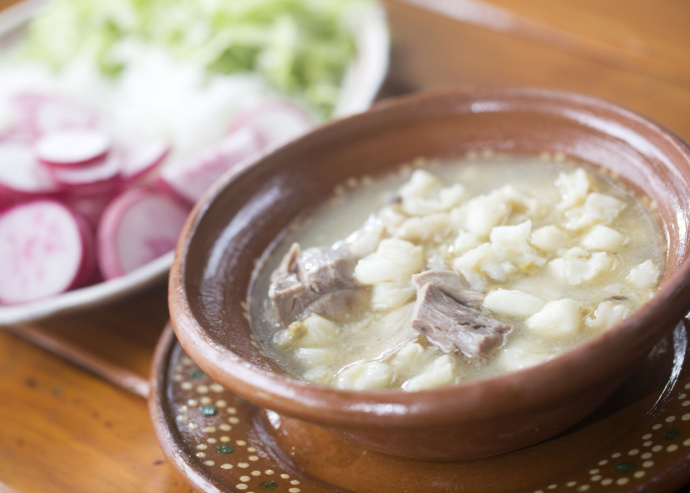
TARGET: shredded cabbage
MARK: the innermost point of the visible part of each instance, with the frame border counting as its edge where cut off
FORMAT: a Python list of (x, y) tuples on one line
[(302, 47)]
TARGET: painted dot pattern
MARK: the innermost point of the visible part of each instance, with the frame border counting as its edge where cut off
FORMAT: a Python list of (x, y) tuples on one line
[(624, 468), (672, 433), (225, 449), (208, 411), (208, 416)]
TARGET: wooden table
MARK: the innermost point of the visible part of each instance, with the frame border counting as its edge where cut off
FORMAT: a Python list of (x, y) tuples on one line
[(64, 429)]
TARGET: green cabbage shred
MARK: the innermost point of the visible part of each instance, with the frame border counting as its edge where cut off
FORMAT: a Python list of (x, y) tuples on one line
[(302, 47)]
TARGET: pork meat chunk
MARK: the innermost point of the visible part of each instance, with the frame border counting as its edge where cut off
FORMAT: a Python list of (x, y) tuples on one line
[(317, 280), (454, 326), (451, 284)]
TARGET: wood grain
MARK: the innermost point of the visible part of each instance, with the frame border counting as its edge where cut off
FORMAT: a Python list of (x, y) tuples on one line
[(638, 60), (65, 430), (62, 429)]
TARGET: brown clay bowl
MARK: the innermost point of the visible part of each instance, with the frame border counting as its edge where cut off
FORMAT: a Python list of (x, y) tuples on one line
[(240, 218)]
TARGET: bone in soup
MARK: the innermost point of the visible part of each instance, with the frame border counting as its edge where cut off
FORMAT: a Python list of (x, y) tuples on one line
[(452, 271)]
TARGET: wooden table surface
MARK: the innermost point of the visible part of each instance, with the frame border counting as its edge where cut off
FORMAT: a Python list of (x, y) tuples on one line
[(64, 429)]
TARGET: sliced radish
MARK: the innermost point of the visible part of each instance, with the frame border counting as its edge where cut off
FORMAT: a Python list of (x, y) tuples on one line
[(45, 250), (190, 179), (275, 122), (21, 175), (43, 113), (144, 160), (72, 147), (136, 228), (102, 175), (88, 273), (90, 204), (17, 135)]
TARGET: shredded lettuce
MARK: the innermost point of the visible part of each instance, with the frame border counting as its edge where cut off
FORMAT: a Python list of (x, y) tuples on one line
[(302, 47)]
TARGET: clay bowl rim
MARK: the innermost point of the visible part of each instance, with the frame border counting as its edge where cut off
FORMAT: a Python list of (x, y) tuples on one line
[(479, 400)]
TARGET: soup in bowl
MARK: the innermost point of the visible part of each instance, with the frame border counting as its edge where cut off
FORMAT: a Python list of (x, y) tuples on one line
[(445, 272), (532, 251)]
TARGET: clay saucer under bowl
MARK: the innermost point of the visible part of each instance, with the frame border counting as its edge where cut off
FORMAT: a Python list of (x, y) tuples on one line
[(243, 215), (637, 440)]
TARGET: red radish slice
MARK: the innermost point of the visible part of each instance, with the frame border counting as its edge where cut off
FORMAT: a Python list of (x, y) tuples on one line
[(104, 174), (43, 113), (90, 204), (17, 135), (276, 122), (190, 179), (88, 272), (144, 160), (21, 175), (136, 228), (45, 250), (72, 148)]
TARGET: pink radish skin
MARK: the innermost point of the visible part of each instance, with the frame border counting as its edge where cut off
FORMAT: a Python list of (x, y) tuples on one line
[(21, 175), (275, 122), (190, 179), (72, 148), (60, 177), (16, 134), (104, 174), (88, 272), (90, 204), (137, 227), (144, 160), (45, 250)]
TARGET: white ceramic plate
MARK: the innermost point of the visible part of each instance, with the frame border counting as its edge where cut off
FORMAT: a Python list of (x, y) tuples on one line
[(361, 84)]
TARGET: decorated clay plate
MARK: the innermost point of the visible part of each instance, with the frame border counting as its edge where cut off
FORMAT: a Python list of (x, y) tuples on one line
[(360, 87), (639, 440)]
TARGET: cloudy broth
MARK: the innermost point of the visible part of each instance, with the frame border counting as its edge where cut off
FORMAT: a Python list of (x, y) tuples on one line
[(556, 251)]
